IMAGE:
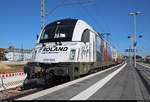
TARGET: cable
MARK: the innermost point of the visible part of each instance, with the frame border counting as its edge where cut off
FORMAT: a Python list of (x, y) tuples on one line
[(90, 16)]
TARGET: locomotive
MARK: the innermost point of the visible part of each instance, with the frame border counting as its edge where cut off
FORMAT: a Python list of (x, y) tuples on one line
[(69, 48)]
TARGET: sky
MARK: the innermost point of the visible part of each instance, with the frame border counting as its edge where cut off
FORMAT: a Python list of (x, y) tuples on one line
[(20, 21)]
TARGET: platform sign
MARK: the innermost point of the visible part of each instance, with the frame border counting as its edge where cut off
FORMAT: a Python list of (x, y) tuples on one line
[(129, 50)]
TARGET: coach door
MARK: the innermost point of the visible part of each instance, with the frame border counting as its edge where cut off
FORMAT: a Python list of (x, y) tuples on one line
[(92, 54)]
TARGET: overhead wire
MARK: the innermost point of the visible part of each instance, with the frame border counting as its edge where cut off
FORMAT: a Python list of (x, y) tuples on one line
[(58, 5), (90, 16), (95, 21)]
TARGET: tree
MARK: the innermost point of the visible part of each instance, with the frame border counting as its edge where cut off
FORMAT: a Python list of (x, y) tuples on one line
[(3, 57)]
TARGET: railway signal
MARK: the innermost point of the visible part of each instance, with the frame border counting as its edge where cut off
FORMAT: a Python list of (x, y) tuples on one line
[(130, 50)]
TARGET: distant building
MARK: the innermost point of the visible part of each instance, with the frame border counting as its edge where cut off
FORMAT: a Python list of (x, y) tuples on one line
[(147, 59), (14, 54), (2, 54), (2, 49)]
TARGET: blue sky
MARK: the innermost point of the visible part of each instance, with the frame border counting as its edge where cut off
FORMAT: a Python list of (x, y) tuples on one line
[(20, 21)]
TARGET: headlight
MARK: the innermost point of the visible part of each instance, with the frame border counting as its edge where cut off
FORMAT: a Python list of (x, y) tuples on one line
[(72, 54)]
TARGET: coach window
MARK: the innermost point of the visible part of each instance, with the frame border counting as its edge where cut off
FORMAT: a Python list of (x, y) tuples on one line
[(85, 36)]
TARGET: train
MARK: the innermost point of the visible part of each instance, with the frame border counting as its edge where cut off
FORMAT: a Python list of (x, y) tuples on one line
[(147, 59), (68, 49)]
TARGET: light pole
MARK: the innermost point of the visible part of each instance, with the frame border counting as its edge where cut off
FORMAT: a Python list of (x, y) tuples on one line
[(132, 39), (134, 44), (130, 49)]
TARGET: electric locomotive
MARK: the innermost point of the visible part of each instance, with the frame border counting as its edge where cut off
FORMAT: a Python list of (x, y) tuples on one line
[(69, 48)]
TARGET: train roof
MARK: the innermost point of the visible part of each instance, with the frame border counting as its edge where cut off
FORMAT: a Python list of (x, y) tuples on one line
[(67, 21)]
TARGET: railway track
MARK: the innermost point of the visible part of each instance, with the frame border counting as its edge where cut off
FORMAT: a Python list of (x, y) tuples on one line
[(21, 94)]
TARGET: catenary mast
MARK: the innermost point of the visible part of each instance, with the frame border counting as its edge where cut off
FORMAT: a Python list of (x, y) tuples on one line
[(42, 14)]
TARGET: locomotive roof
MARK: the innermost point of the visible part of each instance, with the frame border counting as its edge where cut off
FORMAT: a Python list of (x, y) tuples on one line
[(67, 21)]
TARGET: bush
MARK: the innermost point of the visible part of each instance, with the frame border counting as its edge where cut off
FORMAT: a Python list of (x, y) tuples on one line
[(3, 57)]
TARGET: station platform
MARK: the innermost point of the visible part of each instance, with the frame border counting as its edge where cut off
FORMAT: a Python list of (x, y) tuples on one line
[(123, 82)]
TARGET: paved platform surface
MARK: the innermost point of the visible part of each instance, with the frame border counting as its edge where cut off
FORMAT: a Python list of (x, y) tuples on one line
[(128, 83)]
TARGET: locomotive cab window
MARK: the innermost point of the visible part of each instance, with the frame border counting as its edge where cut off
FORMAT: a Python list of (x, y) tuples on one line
[(58, 31), (85, 36), (45, 36)]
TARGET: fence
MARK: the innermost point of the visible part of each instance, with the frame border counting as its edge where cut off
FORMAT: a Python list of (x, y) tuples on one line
[(11, 80)]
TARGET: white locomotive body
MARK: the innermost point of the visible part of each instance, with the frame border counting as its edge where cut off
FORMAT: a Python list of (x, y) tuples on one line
[(69, 48)]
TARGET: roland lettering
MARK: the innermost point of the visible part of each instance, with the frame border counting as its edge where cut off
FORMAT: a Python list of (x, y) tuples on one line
[(55, 49), (60, 49), (65, 49)]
